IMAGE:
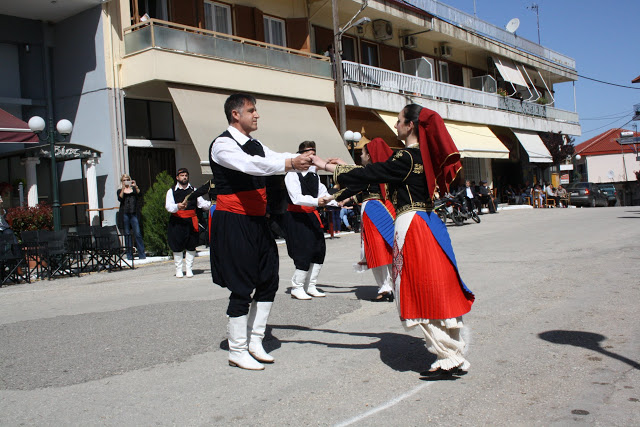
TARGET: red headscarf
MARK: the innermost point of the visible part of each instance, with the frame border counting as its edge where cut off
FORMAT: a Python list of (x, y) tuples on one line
[(439, 153), (379, 151)]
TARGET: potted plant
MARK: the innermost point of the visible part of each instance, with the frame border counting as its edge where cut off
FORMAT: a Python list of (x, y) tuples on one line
[(39, 217), (502, 92), (542, 100)]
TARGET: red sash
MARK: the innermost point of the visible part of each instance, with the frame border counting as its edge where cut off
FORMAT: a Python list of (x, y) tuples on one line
[(188, 214), (252, 202), (307, 209)]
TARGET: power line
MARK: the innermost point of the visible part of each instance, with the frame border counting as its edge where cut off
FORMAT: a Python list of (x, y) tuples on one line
[(607, 83), (609, 124), (607, 117)]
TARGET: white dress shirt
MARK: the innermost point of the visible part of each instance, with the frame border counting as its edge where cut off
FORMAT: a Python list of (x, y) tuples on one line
[(294, 189), (172, 207), (227, 153)]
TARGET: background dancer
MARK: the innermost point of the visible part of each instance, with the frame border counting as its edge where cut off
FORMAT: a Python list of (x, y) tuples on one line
[(244, 256), (183, 228), (303, 227), (429, 291), (378, 215)]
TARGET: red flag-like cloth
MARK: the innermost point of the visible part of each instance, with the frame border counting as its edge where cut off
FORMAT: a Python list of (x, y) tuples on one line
[(379, 151), (439, 153)]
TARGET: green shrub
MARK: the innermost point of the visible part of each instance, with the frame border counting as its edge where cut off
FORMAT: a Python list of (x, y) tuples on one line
[(155, 216), (39, 217)]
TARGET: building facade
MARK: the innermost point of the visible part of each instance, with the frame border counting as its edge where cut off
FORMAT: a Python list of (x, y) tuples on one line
[(147, 83)]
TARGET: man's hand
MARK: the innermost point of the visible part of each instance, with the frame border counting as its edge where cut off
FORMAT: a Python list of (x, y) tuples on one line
[(319, 163), (322, 201), (182, 205), (302, 162)]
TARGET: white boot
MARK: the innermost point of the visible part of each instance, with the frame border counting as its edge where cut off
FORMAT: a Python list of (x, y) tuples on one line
[(298, 279), (257, 325), (238, 349), (189, 262), (312, 280), (177, 259)]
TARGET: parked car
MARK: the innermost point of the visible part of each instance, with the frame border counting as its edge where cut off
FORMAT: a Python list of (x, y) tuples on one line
[(611, 193), (586, 194)]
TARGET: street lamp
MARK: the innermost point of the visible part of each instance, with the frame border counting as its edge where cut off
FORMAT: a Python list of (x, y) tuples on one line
[(64, 128), (352, 139), (337, 43)]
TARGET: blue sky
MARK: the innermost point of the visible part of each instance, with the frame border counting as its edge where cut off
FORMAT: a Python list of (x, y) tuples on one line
[(600, 36)]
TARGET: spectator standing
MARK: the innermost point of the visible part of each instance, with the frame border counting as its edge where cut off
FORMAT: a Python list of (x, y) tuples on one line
[(486, 197), (129, 198)]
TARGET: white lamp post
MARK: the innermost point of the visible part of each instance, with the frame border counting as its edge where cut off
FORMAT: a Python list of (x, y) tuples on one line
[(63, 128), (352, 139)]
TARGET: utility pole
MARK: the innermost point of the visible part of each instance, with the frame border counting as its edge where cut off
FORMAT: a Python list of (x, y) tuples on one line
[(337, 54)]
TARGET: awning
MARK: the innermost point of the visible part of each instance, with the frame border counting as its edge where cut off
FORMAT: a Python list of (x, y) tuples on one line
[(476, 141), (14, 130), (390, 119), (509, 71), (282, 126), (534, 146)]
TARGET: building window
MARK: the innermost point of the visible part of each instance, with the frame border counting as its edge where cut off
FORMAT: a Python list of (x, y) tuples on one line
[(471, 168), (149, 119), (444, 71), (217, 17), (348, 49), (154, 8), (369, 54), (274, 31)]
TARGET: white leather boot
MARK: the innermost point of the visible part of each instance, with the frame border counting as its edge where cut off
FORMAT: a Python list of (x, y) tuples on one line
[(312, 280), (189, 262), (298, 279), (256, 327), (177, 259), (238, 348)]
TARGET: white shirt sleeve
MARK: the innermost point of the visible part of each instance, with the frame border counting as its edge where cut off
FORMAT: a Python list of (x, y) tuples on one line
[(170, 204), (203, 204), (226, 152)]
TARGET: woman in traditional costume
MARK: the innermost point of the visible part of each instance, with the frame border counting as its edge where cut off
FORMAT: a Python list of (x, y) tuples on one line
[(429, 291), (378, 215)]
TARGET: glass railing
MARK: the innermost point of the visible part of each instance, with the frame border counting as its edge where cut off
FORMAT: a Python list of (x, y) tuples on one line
[(405, 84), (155, 34)]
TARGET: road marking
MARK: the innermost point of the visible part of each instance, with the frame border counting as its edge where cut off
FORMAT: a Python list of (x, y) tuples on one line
[(384, 406)]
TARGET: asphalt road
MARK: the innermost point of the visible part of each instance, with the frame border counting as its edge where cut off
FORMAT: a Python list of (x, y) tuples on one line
[(553, 340)]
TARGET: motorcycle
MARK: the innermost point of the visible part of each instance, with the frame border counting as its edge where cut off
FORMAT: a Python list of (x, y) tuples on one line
[(466, 211), (449, 208)]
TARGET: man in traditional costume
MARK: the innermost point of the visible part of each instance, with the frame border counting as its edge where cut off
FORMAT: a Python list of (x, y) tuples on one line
[(429, 291), (183, 229), (304, 228), (244, 256), (378, 215)]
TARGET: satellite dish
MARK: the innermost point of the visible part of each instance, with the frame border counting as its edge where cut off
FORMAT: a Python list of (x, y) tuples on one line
[(610, 174), (513, 25)]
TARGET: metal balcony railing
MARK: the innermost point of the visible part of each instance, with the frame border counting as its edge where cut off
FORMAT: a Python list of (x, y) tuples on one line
[(392, 81), (157, 34)]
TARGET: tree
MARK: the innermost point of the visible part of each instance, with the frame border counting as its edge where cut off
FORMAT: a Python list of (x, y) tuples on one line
[(155, 216), (560, 146)]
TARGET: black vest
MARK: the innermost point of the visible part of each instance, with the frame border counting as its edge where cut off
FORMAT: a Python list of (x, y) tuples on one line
[(309, 185), (180, 194), (229, 181)]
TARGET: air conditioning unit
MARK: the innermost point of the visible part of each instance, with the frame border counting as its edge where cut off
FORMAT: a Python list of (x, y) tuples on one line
[(382, 29), (445, 51), (409, 42)]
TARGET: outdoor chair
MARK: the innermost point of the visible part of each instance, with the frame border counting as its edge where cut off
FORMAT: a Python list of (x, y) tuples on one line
[(111, 249), (13, 264), (86, 245), (35, 253), (566, 200), (62, 257)]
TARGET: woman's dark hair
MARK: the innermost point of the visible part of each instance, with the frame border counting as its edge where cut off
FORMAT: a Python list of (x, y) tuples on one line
[(411, 114), (236, 102), (306, 145)]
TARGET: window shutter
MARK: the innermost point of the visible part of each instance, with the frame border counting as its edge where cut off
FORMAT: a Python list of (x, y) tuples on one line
[(298, 34)]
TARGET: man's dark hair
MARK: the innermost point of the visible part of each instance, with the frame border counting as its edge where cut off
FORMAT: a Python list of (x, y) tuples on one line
[(236, 102), (412, 114), (306, 145)]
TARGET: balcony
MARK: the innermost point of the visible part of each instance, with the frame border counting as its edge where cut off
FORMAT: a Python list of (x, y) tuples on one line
[(404, 84), (162, 35)]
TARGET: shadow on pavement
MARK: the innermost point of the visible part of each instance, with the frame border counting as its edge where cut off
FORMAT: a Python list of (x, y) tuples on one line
[(588, 340), (400, 352)]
